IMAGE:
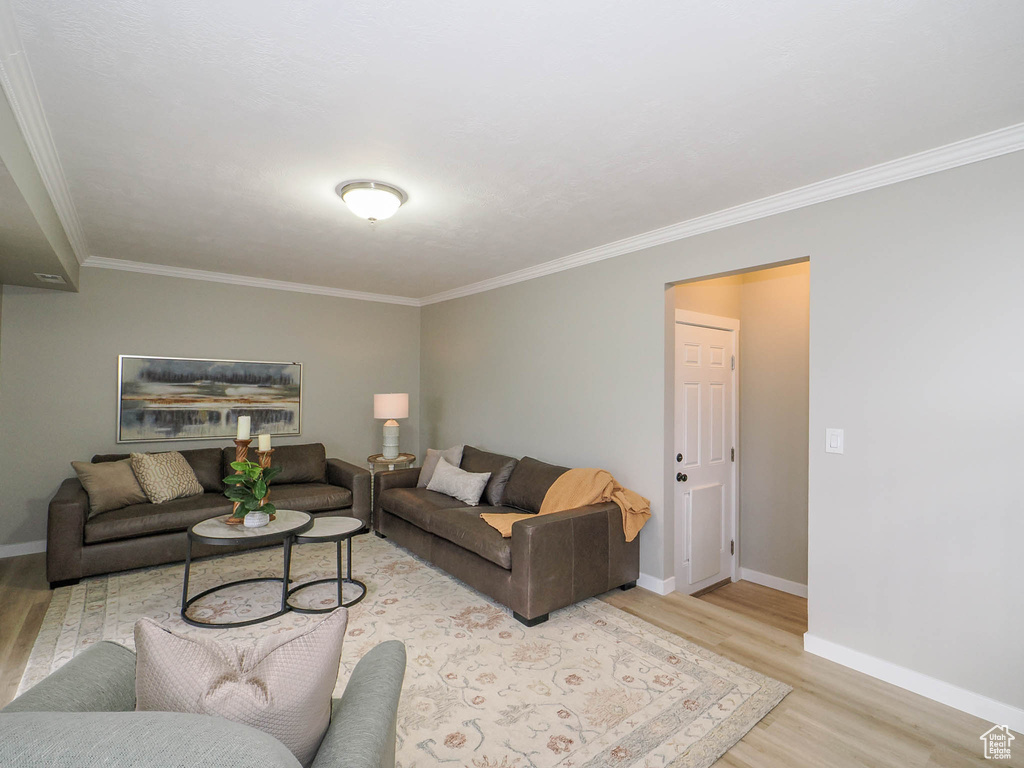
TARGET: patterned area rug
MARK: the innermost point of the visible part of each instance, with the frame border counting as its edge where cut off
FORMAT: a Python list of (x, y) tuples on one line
[(593, 686)]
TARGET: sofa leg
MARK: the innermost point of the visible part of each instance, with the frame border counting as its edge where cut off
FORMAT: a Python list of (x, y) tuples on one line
[(63, 583), (628, 585), (530, 622), (379, 535)]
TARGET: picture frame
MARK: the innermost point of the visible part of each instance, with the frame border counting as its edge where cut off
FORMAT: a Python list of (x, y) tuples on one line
[(191, 398)]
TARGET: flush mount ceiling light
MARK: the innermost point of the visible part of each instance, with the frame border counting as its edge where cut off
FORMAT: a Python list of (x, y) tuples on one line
[(371, 200)]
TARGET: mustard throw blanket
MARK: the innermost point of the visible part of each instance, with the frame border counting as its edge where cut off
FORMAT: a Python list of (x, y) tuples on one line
[(578, 488)]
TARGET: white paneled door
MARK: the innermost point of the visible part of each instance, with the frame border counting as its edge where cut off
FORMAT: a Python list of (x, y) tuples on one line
[(703, 466)]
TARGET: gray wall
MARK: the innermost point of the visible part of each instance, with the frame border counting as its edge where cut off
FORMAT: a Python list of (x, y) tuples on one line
[(773, 307), (912, 555), (59, 369)]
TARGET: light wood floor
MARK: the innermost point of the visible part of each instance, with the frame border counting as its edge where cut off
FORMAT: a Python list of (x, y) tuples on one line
[(833, 717), (24, 598), (769, 606)]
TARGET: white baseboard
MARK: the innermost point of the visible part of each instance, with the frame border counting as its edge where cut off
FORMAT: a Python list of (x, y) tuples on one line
[(774, 582), (657, 586), (946, 693), (24, 548)]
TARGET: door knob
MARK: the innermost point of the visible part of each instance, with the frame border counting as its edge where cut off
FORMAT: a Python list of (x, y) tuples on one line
[(680, 477), (679, 457)]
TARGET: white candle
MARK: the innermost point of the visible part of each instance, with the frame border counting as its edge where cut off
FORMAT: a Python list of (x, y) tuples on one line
[(243, 428), (264, 442)]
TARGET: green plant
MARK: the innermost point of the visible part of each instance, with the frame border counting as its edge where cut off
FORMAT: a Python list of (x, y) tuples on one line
[(249, 487)]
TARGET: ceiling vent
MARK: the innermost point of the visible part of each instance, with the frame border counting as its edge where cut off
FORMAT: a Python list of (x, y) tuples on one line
[(42, 277)]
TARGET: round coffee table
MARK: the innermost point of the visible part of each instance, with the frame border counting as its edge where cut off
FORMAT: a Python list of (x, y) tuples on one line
[(216, 532), (336, 529)]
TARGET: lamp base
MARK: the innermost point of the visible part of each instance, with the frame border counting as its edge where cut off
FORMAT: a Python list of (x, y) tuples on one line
[(390, 439)]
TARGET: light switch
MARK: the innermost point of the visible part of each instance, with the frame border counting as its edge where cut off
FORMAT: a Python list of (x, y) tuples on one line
[(833, 440)]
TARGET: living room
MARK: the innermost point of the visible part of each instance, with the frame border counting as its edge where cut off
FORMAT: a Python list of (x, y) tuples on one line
[(523, 294)]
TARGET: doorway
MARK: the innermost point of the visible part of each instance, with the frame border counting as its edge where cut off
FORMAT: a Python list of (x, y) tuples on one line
[(740, 473)]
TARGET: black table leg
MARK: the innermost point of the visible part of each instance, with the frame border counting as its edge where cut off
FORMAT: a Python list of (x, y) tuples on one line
[(287, 573), (184, 586), (340, 587)]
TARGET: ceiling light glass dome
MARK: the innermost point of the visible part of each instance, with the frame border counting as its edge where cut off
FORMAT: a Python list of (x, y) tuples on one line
[(371, 200)]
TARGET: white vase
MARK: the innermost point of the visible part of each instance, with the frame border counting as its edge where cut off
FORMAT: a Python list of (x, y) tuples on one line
[(256, 519)]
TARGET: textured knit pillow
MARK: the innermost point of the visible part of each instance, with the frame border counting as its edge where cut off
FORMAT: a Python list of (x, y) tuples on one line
[(452, 455), (110, 485), (165, 476), (464, 486), (281, 686)]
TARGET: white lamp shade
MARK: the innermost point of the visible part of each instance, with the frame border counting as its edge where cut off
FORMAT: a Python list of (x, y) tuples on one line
[(372, 203), (391, 406)]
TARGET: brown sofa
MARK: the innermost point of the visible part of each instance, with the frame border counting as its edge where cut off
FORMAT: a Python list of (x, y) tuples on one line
[(550, 561), (150, 534)]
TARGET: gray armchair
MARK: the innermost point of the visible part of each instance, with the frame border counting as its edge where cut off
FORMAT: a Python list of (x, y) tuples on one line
[(83, 714)]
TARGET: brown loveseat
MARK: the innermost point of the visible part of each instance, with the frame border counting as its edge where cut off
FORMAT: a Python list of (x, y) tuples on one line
[(550, 561), (150, 534)]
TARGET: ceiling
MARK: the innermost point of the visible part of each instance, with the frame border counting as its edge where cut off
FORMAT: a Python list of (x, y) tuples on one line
[(211, 135)]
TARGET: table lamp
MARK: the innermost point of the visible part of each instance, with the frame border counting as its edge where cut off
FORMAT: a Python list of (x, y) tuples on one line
[(391, 406)]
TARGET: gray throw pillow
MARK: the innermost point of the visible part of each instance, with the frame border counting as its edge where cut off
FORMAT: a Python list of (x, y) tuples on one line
[(452, 455), (110, 485), (465, 486), (281, 686)]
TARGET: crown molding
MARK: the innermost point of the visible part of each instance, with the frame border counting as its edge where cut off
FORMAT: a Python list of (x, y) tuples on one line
[(123, 265), (983, 147), (20, 87)]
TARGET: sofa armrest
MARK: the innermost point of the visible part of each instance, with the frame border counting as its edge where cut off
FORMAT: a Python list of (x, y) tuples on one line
[(99, 679), (357, 480), (562, 558), (395, 478), (65, 531), (363, 721)]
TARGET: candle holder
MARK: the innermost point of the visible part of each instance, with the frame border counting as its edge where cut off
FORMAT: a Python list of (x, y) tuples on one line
[(241, 454), (264, 462)]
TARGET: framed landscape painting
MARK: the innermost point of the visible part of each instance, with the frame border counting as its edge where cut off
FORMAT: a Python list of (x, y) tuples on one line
[(176, 398)]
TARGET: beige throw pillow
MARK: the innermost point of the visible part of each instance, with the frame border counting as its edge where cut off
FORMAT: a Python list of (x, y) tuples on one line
[(165, 476), (281, 685), (110, 485), (464, 486), (452, 455)]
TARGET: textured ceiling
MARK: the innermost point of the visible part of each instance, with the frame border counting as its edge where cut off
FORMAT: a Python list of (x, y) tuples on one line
[(211, 135)]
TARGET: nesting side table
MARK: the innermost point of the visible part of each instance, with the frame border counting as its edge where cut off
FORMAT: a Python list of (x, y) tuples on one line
[(336, 529)]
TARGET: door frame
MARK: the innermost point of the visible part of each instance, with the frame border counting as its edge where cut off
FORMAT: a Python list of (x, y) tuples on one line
[(687, 317)]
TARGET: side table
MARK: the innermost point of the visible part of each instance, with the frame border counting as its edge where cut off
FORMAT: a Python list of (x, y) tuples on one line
[(378, 463), (336, 529)]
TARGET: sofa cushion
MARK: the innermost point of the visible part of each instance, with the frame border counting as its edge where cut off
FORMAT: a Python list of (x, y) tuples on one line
[(165, 476), (465, 486), (299, 463), (147, 519), (500, 467), (205, 462), (310, 497), (465, 528), (110, 485), (452, 455), (416, 505), (529, 484)]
